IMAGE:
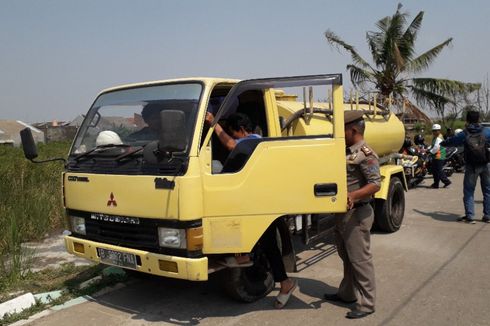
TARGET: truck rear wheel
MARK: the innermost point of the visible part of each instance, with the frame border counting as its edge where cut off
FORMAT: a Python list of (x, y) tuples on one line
[(249, 284), (389, 213)]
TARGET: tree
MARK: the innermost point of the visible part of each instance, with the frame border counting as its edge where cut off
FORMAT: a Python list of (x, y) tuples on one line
[(395, 63), (483, 99)]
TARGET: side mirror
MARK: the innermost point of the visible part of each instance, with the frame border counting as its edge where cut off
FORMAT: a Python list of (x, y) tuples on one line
[(28, 144), (173, 137), (30, 148)]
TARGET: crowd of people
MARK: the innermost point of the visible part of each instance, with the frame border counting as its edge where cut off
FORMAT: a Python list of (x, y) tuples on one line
[(352, 229), (475, 141)]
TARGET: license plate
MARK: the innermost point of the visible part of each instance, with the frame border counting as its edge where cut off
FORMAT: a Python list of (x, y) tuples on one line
[(117, 258)]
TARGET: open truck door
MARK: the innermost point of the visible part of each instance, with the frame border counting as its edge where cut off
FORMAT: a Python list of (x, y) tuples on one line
[(263, 179)]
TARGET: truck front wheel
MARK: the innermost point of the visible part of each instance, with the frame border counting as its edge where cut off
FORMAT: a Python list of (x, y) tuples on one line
[(252, 283), (388, 214)]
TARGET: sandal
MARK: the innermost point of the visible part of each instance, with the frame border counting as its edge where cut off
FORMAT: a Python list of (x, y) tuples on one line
[(232, 262), (283, 298)]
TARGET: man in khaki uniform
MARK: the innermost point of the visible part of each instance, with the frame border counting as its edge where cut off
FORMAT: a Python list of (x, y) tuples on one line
[(352, 229)]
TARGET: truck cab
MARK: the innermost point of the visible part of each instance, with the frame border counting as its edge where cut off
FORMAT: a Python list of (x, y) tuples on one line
[(149, 187)]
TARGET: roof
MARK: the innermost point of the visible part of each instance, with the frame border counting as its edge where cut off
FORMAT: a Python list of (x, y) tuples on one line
[(206, 80), (413, 112), (13, 127), (10, 132)]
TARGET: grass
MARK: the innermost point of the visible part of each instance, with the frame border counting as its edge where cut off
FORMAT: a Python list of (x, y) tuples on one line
[(68, 277), (30, 206), (50, 279)]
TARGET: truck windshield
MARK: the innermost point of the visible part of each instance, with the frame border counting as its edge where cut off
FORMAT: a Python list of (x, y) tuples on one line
[(130, 118)]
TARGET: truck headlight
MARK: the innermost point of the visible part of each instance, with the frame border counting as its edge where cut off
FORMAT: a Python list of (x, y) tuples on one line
[(78, 225), (172, 238)]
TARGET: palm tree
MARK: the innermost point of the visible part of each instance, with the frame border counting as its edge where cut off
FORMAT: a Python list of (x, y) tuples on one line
[(395, 63)]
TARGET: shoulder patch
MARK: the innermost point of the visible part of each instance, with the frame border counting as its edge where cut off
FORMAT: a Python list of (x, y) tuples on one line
[(366, 150), (352, 157)]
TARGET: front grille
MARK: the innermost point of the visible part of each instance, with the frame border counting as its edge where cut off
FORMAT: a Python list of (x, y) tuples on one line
[(140, 236)]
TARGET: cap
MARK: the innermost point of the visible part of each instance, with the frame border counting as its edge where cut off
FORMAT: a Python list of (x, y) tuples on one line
[(108, 137), (436, 126), (457, 131), (352, 116)]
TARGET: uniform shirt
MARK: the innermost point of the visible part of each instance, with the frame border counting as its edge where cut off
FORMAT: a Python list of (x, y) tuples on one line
[(362, 166), (437, 150)]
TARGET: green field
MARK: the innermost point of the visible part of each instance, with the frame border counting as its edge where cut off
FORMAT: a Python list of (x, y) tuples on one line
[(30, 204)]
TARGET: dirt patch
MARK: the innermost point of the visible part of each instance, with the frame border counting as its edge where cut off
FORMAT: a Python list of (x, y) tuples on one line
[(51, 253)]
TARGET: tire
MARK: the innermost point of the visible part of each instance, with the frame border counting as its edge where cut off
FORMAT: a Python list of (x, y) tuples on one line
[(459, 169), (448, 172), (249, 284), (389, 213)]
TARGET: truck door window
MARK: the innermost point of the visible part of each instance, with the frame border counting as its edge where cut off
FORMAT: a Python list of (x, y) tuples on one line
[(303, 111), (249, 103), (267, 101)]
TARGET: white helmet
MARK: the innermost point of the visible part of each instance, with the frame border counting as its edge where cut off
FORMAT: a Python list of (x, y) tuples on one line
[(457, 131), (436, 126), (108, 137)]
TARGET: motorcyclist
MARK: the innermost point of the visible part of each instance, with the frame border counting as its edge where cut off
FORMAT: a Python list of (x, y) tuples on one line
[(449, 133), (407, 147), (420, 145)]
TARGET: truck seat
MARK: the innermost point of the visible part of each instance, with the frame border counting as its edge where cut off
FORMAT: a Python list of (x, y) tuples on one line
[(240, 155)]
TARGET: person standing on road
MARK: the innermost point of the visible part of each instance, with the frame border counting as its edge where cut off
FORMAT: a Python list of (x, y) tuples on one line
[(352, 230), (239, 129), (476, 140), (438, 157)]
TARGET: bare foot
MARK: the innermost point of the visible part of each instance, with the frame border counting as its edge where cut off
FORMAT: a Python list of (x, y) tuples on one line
[(286, 286), (242, 259)]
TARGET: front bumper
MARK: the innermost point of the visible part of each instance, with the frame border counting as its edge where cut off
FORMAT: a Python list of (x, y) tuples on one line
[(193, 269)]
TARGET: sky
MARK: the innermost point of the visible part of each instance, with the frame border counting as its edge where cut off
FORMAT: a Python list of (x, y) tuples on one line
[(57, 55)]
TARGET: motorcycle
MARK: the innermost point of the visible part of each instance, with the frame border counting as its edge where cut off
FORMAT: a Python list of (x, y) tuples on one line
[(413, 159), (447, 168), (455, 158)]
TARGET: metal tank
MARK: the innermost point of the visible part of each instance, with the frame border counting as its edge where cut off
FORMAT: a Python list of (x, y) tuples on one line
[(384, 131)]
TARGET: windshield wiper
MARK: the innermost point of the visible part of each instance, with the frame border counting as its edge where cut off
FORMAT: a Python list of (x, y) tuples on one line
[(130, 153), (98, 148)]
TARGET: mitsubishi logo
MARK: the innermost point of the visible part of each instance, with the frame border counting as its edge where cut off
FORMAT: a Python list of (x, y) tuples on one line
[(112, 201)]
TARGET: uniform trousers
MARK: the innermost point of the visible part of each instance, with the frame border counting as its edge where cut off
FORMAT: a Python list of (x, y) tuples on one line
[(273, 254), (352, 235), (438, 172)]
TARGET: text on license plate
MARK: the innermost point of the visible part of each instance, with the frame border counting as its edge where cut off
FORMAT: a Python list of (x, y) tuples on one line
[(113, 257)]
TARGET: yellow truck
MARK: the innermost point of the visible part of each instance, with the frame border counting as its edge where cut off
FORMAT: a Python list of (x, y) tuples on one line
[(159, 194)]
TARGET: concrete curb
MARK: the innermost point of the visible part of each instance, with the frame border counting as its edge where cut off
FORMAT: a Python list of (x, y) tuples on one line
[(17, 305), (27, 300), (68, 304), (47, 297)]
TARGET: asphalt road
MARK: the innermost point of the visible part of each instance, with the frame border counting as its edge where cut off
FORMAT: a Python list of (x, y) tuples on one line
[(433, 271)]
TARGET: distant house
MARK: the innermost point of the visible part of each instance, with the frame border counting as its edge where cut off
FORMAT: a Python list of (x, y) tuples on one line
[(411, 115), (108, 122), (56, 131), (10, 132)]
